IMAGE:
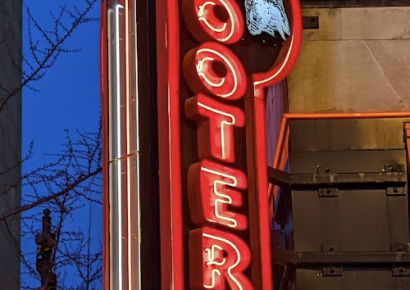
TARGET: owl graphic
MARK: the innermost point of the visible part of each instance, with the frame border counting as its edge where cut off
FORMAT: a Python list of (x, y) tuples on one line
[(267, 16)]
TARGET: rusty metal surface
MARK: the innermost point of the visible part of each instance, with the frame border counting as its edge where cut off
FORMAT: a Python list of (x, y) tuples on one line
[(339, 180), (340, 258), (338, 135), (351, 240)]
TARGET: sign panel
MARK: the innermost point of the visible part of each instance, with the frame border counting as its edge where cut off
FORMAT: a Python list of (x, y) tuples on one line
[(215, 60)]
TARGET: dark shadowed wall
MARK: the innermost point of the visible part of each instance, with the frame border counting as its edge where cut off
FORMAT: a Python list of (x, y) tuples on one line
[(10, 139)]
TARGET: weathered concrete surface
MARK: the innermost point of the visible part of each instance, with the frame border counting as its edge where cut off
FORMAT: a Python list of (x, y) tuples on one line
[(359, 60), (10, 140)]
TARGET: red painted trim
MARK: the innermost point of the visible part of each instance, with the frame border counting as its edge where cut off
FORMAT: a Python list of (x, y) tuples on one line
[(167, 21), (406, 128), (358, 115), (289, 53), (172, 272), (258, 205), (279, 71), (104, 113)]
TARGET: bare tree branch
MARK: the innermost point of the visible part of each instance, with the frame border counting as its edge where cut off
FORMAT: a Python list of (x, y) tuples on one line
[(50, 197), (68, 181), (54, 41)]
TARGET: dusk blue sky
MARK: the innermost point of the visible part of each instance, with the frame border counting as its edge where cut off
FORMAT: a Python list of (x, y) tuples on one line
[(69, 96)]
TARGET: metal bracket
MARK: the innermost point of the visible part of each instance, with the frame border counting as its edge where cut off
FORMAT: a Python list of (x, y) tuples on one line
[(310, 22), (400, 247), (330, 248), (279, 177), (392, 176), (328, 192), (394, 168), (395, 191), (337, 258), (320, 169), (400, 271), (332, 271)]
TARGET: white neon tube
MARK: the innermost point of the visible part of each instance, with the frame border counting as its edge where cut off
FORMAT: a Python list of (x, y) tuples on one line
[(119, 145), (118, 74), (125, 265)]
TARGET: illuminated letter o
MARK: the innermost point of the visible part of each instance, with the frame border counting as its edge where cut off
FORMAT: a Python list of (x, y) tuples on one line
[(219, 20), (211, 68)]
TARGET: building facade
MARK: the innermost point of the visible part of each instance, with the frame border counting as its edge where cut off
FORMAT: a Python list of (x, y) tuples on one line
[(347, 115), (10, 139), (244, 154)]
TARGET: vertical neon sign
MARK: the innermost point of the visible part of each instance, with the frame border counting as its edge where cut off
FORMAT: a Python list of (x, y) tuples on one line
[(205, 169), (216, 256)]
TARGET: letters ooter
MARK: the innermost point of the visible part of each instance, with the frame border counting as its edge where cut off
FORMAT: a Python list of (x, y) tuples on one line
[(215, 61), (341, 218)]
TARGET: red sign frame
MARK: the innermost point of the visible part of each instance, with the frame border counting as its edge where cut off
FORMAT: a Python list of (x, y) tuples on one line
[(168, 58)]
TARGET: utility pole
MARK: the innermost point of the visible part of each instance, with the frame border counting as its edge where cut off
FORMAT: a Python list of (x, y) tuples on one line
[(45, 244)]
